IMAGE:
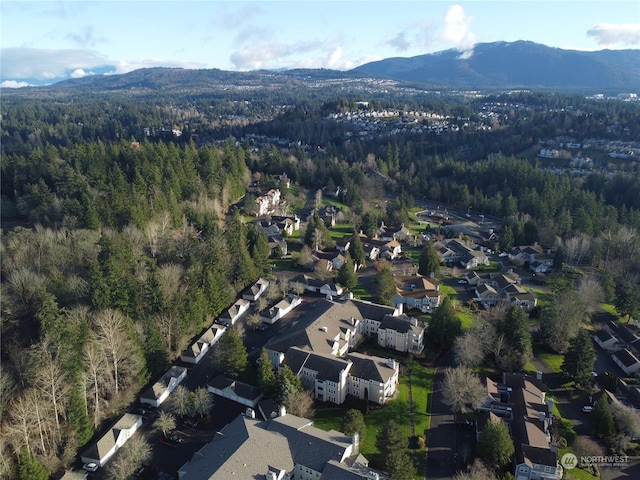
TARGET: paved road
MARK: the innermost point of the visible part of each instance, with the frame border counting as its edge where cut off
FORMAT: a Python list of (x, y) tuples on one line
[(441, 437)]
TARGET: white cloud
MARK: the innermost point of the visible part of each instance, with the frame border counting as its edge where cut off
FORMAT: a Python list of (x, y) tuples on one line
[(44, 64), (79, 73), (399, 42), (457, 31), (609, 35), (40, 63), (14, 84)]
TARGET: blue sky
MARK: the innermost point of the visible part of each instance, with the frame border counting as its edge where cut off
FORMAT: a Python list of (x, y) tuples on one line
[(47, 41)]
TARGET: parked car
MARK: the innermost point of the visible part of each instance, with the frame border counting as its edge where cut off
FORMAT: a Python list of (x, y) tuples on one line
[(587, 409), (191, 422), (90, 467), (462, 281)]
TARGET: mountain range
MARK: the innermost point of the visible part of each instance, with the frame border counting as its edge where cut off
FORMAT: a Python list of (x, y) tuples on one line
[(516, 65), (489, 66)]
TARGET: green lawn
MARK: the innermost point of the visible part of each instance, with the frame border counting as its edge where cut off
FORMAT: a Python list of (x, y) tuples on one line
[(553, 361), (544, 296), (360, 292), (607, 307), (467, 318), (335, 203), (328, 417), (341, 231)]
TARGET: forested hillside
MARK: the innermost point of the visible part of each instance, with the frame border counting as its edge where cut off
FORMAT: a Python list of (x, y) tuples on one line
[(119, 243)]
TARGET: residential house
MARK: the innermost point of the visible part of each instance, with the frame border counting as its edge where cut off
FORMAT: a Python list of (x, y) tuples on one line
[(159, 391), (627, 361), (487, 295), (287, 224), (236, 310), (280, 309), (332, 378), (539, 259), (296, 449), (115, 437), (415, 291), (273, 231), (324, 374), (465, 254), (372, 378), (526, 300), (605, 339), (343, 245), (331, 327), (521, 402), (268, 202), (401, 333), (195, 352), (235, 391), (256, 290), (318, 285)]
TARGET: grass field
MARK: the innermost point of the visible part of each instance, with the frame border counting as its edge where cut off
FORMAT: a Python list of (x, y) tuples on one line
[(328, 417), (553, 361), (360, 292), (341, 231)]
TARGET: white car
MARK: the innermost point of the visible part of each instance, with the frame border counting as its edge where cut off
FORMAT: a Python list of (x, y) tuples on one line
[(90, 467), (587, 409)]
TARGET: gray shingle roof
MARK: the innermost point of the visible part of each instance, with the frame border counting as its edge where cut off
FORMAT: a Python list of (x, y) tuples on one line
[(370, 368)]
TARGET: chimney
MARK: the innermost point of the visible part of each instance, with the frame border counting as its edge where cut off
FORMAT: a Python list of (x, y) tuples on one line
[(250, 412), (355, 441), (282, 411), (391, 363)]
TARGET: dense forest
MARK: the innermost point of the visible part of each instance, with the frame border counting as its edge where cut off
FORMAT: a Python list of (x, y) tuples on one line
[(121, 240)]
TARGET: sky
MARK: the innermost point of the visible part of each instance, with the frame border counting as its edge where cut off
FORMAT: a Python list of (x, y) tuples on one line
[(45, 41)]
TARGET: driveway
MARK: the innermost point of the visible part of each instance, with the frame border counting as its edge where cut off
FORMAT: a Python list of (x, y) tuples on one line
[(441, 437)]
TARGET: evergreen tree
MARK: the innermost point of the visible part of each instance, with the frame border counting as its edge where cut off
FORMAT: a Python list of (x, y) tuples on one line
[(347, 277), (429, 262), (579, 360), (506, 242), (627, 300), (230, 354), (356, 250), (495, 446), (400, 466), (444, 326), (384, 286), (259, 249), (31, 468), (266, 376), (78, 418), (602, 418), (352, 422), (390, 439)]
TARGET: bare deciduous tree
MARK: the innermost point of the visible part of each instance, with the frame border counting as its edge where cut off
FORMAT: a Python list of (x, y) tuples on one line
[(202, 401), (165, 422), (297, 288), (626, 419), (300, 404), (95, 366), (170, 280), (181, 401), (112, 331), (469, 349), (590, 292), (136, 453), (51, 379), (476, 471), (462, 390)]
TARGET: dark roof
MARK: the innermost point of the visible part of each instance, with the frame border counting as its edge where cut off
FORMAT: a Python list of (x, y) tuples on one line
[(627, 358), (626, 335), (400, 323), (541, 456), (327, 366), (243, 390), (604, 335), (370, 368), (372, 311), (309, 445)]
